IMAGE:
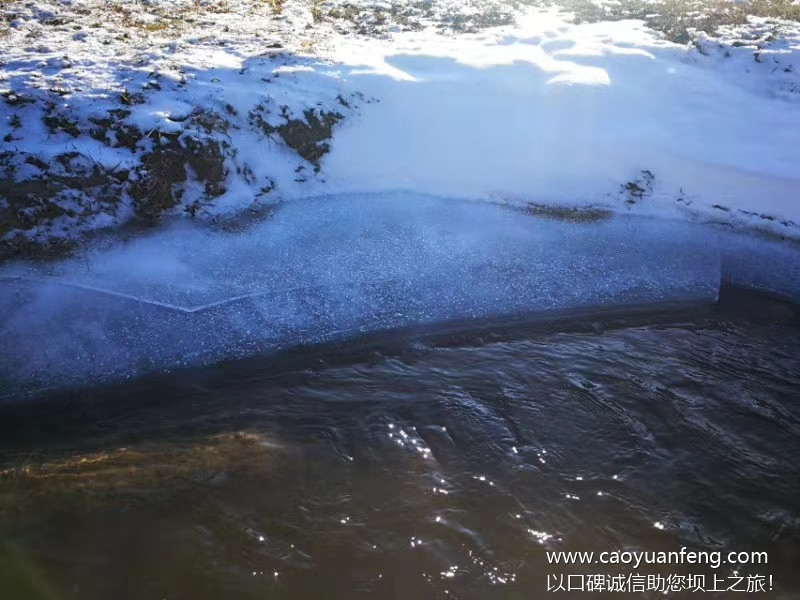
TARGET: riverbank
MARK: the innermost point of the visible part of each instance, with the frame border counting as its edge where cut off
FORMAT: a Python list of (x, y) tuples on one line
[(123, 114)]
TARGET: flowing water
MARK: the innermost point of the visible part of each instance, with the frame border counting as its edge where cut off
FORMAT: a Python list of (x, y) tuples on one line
[(425, 464)]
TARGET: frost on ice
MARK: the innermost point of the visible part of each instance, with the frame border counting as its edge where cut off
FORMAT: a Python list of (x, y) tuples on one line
[(325, 268)]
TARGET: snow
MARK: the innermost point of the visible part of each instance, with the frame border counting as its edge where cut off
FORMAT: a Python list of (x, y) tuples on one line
[(564, 114), (543, 110)]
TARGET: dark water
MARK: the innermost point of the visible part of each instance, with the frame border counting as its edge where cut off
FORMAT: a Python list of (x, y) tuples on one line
[(433, 464)]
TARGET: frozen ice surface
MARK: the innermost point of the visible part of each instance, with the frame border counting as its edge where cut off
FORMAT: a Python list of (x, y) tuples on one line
[(324, 268), (763, 264), (327, 268)]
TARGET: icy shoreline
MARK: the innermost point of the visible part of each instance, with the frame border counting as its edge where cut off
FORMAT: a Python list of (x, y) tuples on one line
[(331, 268), (163, 110), (327, 269)]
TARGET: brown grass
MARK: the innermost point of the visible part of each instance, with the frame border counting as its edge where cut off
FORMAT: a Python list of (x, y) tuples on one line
[(675, 18), (157, 26), (316, 11), (143, 466)]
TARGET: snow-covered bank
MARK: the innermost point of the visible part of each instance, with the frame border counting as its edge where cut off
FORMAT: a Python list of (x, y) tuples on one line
[(217, 109), (602, 114)]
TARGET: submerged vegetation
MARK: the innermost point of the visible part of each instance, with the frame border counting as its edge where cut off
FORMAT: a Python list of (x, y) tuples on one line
[(103, 472)]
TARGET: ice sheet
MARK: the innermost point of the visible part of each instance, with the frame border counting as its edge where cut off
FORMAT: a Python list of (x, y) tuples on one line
[(325, 268), (769, 265)]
